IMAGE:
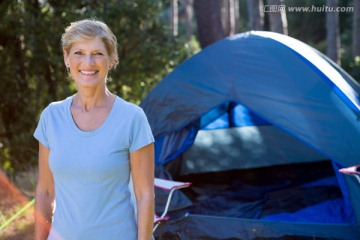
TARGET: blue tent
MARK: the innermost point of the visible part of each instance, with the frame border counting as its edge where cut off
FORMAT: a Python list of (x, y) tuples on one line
[(270, 117)]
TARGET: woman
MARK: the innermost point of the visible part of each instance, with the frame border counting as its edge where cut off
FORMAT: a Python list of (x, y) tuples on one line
[(87, 145)]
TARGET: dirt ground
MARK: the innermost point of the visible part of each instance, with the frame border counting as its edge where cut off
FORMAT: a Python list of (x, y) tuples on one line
[(14, 197)]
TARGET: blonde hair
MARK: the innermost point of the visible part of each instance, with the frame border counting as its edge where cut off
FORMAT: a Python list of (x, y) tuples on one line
[(88, 29)]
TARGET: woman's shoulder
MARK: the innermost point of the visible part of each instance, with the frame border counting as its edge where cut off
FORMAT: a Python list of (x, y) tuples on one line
[(127, 106), (58, 105)]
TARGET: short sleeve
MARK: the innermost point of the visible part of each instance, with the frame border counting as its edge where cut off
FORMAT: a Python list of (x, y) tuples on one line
[(40, 131), (140, 134)]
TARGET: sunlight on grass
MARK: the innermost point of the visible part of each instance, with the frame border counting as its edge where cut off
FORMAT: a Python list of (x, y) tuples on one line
[(16, 206), (19, 229)]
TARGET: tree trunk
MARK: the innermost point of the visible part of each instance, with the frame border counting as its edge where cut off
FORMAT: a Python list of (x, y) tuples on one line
[(173, 15), (356, 29), (256, 17), (188, 15), (332, 32), (208, 17), (237, 15), (277, 17), (228, 17)]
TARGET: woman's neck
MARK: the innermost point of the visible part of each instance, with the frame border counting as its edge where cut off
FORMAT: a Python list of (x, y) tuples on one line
[(88, 100)]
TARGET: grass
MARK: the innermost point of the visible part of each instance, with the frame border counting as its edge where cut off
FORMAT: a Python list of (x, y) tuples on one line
[(22, 227)]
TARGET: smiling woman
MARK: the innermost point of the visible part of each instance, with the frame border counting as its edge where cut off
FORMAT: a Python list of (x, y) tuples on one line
[(82, 30), (89, 146), (88, 62)]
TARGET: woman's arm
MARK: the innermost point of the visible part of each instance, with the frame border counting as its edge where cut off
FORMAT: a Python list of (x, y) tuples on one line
[(142, 167), (44, 196)]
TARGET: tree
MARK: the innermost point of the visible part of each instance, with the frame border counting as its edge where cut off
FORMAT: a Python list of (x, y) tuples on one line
[(173, 15), (255, 14), (188, 16), (356, 29), (277, 17), (33, 72), (208, 17), (229, 17), (332, 32), (237, 15), (29, 78)]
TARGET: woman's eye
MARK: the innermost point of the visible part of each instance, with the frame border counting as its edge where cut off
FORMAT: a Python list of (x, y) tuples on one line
[(78, 53), (99, 53)]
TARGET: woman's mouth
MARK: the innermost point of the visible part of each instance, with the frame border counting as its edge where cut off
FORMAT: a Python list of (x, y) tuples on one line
[(88, 72)]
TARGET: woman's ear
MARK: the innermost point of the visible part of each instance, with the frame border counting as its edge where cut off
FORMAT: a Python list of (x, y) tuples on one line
[(66, 61), (111, 65)]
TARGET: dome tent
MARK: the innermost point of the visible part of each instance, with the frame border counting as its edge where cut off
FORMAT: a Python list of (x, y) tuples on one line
[(260, 101)]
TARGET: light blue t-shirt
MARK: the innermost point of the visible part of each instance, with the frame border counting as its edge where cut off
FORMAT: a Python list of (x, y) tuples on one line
[(91, 171)]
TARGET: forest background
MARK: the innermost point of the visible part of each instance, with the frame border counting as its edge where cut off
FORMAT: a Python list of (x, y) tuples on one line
[(154, 37)]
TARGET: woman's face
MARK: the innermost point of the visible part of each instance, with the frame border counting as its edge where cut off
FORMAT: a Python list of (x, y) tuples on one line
[(89, 62)]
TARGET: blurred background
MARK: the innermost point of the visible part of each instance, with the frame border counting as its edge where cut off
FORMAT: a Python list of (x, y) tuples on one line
[(154, 37)]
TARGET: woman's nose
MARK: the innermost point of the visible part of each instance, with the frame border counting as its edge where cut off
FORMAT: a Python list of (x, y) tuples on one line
[(89, 59)]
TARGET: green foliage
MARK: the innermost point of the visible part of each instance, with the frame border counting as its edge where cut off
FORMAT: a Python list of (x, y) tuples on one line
[(310, 27), (351, 65), (33, 72), (301, 24)]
